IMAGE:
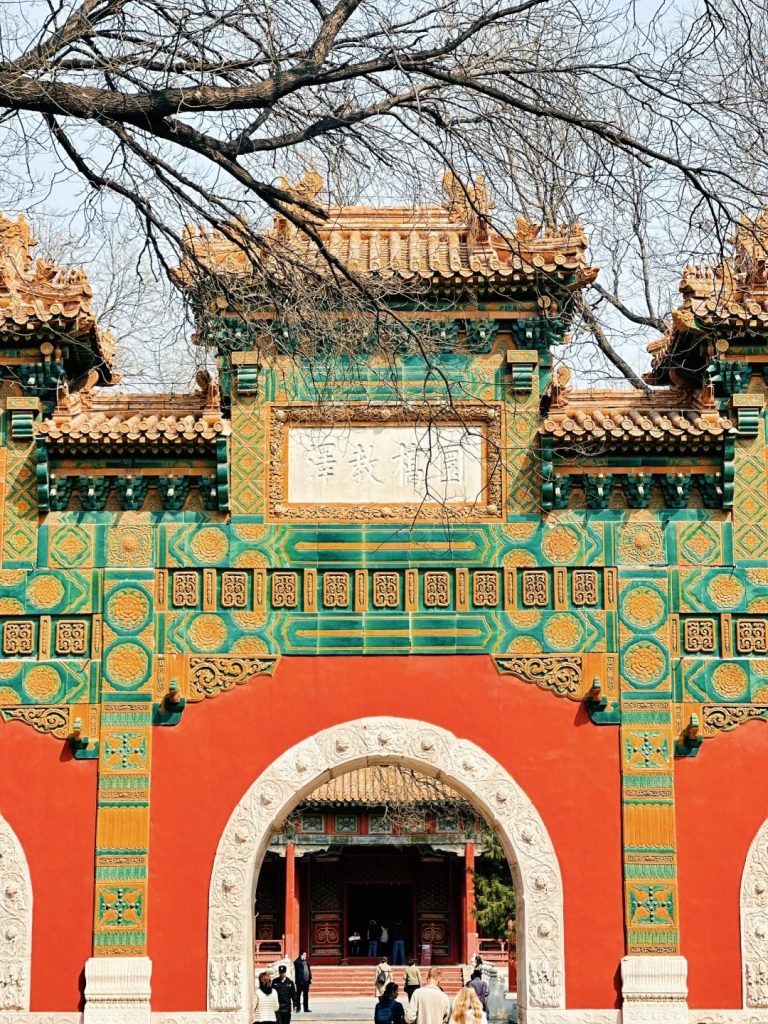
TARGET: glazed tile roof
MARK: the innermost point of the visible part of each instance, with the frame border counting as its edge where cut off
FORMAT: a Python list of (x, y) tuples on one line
[(35, 294), (732, 294), (100, 419), (637, 418), (381, 784), (440, 241)]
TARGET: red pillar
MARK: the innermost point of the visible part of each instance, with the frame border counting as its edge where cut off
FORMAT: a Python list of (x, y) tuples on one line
[(470, 925), (290, 900)]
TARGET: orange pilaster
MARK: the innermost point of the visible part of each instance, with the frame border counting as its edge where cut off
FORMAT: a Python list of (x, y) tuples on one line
[(470, 925), (290, 900)]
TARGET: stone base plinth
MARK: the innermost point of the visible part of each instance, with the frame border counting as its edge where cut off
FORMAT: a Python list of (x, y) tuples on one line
[(117, 990), (654, 990)]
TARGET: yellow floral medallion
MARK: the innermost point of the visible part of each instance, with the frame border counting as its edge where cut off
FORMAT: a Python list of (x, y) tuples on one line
[(729, 681), (127, 664), (524, 619), (249, 620), (563, 632), (524, 645), (128, 608), (643, 607), (726, 590), (129, 546), (8, 696), (249, 645), (209, 544), (249, 531), (560, 544), (520, 557), (45, 591), (208, 633), (42, 683), (644, 663), (249, 560)]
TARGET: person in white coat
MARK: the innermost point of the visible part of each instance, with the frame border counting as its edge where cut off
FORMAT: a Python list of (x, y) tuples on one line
[(429, 1005), (266, 1004)]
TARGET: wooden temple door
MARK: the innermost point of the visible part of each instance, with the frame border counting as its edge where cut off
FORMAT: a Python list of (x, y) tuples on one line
[(326, 916), (434, 902)]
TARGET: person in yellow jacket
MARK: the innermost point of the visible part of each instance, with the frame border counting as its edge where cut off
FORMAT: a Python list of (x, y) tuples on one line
[(412, 978)]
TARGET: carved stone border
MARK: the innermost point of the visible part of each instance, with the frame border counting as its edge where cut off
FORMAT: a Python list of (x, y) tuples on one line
[(489, 505), (753, 908), (15, 921), (414, 744)]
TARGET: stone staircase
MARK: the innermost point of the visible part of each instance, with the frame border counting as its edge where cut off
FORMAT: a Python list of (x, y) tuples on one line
[(342, 981)]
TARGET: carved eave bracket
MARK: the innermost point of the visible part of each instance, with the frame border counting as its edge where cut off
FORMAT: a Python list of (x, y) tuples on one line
[(569, 676), (188, 679)]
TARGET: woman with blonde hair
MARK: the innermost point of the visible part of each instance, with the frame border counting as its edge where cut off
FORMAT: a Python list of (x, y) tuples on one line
[(467, 1008)]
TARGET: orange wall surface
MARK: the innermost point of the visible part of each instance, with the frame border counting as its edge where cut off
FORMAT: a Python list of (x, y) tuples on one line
[(721, 803), (49, 800), (567, 766)]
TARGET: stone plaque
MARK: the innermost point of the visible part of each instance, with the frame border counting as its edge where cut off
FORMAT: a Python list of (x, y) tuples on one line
[(385, 465)]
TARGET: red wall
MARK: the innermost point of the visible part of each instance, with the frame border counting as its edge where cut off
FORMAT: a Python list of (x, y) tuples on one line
[(715, 799), (49, 800), (568, 767)]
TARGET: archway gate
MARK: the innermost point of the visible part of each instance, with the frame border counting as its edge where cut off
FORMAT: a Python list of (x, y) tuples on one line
[(414, 744)]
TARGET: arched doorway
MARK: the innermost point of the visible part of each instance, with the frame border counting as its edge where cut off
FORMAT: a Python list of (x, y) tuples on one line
[(429, 749), (394, 858), (15, 922)]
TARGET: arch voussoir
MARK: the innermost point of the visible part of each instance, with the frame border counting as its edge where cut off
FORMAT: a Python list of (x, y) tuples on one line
[(15, 922)]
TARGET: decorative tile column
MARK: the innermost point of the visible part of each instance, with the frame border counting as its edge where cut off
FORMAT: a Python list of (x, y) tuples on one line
[(653, 973), (118, 977)]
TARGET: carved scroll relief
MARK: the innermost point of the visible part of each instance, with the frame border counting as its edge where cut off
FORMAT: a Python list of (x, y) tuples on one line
[(15, 922)]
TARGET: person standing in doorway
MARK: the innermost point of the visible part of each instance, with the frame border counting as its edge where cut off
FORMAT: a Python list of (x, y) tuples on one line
[(373, 938), (384, 940), (286, 995), (397, 934), (265, 1004), (383, 976), (429, 1005), (412, 978), (303, 974)]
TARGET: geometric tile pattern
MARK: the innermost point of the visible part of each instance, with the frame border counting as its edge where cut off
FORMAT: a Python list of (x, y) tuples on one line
[(666, 609), (750, 532), (647, 760)]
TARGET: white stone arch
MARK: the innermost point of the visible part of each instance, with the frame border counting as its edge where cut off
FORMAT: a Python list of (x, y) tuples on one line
[(753, 906), (15, 921), (433, 751)]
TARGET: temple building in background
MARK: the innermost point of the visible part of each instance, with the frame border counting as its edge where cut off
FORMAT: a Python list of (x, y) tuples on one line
[(375, 848), (228, 616)]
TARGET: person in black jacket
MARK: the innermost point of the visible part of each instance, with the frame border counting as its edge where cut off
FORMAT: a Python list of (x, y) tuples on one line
[(303, 974), (286, 994), (388, 1009)]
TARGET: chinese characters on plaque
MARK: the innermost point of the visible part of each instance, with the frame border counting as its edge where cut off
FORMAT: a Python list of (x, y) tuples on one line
[(385, 465)]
